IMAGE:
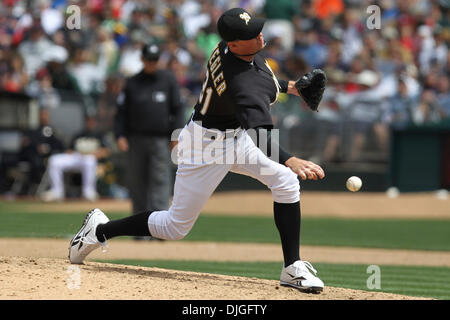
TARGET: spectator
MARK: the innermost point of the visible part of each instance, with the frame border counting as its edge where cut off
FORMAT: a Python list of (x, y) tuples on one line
[(330, 118), (351, 37), (440, 47), (313, 51), (364, 111), (106, 105), (174, 24), (401, 106), (15, 79), (86, 149), (88, 76), (428, 110), (107, 51), (327, 8), (329, 130), (43, 91), (195, 16), (130, 59), (174, 51), (274, 51), (443, 94), (52, 19), (307, 19), (57, 70), (280, 16), (432, 48), (207, 40), (34, 50), (331, 34)]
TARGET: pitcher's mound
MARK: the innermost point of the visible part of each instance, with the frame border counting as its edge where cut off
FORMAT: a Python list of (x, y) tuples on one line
[(44, 278)]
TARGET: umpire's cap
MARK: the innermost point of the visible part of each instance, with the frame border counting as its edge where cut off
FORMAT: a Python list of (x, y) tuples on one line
[(237, 24), (151, 52)]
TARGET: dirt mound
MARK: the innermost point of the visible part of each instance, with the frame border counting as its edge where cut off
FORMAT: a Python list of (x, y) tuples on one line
[(219, 251), (55, 279)]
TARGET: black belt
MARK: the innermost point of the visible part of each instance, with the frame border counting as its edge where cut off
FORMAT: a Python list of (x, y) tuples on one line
[(223, 135)]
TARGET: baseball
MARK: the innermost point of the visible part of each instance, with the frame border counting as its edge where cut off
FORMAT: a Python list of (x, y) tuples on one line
[(354, 183)]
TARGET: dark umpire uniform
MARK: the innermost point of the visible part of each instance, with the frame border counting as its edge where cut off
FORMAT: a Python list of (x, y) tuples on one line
[(149, 109)]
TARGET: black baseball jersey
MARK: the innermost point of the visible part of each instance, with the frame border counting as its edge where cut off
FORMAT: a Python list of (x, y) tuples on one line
[(87, 142), (41, 142), (237, 93)]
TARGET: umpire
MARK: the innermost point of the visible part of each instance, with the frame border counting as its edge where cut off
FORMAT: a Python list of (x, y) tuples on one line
[(149, 109)]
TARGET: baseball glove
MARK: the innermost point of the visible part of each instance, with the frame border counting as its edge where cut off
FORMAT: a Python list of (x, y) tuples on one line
[(311, 87)]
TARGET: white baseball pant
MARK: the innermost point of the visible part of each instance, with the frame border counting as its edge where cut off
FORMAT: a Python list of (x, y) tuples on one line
[(203, 163), (84, 163)]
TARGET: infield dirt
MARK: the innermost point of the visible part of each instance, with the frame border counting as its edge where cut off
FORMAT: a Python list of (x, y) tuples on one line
[(44, 278)]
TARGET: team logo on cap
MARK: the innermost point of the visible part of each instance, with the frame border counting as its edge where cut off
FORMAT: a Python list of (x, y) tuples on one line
[(244, 16), (153, 49)]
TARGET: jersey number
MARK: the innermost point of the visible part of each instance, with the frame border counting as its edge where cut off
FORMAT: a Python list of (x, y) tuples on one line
[(207, 99)]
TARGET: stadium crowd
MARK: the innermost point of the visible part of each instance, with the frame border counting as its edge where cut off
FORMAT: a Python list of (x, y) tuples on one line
[(392, 76)]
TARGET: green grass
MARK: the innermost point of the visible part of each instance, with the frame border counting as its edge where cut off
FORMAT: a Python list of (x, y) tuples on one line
[(380, 233), (41, 224), (30, 206), (383, 233), (419, 281)]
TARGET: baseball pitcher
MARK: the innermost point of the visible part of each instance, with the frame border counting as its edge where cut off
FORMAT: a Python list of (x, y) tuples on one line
[(230, 130)]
